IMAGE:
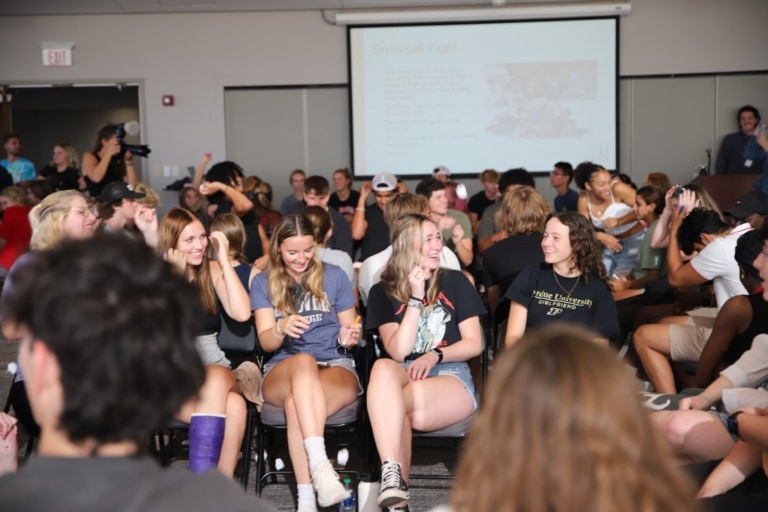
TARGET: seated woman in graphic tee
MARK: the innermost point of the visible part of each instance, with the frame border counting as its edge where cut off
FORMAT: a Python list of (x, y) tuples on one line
[(570, 286)]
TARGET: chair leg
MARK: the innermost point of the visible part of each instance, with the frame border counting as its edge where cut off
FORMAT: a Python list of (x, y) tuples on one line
[(247, 445)]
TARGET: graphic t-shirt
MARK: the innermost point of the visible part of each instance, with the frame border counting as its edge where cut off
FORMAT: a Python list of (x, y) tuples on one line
[(590, 305), (321, 337), (456, 301)]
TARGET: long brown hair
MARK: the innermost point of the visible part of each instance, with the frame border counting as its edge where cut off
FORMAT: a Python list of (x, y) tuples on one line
[(587, 253), (562, 429), (281, 286), (233, 228), (403, 233), (168, 234)]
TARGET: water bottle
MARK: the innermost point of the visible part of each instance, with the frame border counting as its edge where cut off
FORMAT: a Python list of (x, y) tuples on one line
[(349, 503)]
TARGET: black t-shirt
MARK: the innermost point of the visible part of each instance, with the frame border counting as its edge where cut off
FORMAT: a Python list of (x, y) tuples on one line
[(115, 172), (65, 180), (346, 207), (376, 237), (478, 203), (506, 258), (439, 322), (590, 305), (759, 325)]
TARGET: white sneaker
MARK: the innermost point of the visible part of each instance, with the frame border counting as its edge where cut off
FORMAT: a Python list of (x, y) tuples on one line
[(328, 487)]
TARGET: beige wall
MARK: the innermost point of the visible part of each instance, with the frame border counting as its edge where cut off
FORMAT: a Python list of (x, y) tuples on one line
[(194, 56)]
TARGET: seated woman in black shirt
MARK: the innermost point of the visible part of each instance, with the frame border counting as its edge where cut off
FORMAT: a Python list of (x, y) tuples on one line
[(570, 285)]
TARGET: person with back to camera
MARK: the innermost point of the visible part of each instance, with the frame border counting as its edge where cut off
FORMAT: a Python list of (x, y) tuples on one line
[(730, 156), (64, 170), (428, 319), (100, 388), (323, 225), (607, 204), (106, 164), (305, 315), (523, 217), (570, 285), (562, 429), (489, 231), (217, 419)]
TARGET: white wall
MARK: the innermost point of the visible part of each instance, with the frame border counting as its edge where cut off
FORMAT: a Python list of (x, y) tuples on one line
[(194, 56)]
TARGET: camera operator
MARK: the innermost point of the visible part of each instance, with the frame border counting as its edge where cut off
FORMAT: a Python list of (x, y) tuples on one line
[(107, 162)]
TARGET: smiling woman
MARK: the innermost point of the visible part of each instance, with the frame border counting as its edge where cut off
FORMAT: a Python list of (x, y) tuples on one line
[(428, 319), (217, 418), (305, 315), (569, 286)]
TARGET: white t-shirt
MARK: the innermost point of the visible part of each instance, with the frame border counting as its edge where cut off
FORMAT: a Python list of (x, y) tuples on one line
[(717, 262), (373, 266)]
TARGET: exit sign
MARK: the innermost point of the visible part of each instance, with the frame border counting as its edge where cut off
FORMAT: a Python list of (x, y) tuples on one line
[(57, 57)]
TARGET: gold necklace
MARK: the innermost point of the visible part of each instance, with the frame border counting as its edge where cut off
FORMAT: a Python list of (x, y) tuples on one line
[(568, 293)]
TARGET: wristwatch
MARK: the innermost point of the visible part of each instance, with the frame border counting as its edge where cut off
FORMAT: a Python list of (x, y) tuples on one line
[(732, 423), (439, 355)]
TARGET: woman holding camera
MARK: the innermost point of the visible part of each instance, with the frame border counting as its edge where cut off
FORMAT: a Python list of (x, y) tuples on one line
[(106, 164)]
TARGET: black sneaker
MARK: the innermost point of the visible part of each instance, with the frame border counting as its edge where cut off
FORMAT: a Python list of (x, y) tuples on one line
[(394, 490)]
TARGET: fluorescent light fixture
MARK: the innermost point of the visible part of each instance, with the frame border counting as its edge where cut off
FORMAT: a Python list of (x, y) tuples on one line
[(521, 12)]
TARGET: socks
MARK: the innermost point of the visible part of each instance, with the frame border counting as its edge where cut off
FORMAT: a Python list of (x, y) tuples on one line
[(315, 447), (306, 495), (206, 433)]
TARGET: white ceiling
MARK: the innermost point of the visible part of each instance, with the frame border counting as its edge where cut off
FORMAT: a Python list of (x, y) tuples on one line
[(58, 7)]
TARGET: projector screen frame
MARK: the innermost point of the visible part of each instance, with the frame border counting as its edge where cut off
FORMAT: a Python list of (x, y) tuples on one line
[(536, 173)]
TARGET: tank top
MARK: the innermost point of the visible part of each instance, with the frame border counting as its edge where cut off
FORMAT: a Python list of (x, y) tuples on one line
[(114, 172), (614, 211), (759, 324)]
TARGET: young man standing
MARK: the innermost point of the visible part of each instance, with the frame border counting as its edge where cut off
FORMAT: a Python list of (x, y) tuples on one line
[(20, 168), (99, 388), (560, 178)]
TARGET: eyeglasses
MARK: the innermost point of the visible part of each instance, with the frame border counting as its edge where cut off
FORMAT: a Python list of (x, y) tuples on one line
[(84, 212), (556, 173)]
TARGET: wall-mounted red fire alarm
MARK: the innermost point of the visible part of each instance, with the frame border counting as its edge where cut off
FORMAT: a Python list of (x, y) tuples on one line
[(168, 100)]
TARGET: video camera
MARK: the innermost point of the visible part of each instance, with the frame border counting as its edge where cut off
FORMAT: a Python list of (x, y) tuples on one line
[(132, 128)]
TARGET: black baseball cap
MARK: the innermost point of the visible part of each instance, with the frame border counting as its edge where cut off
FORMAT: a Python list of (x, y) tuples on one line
[(118, 190), (753, 201)]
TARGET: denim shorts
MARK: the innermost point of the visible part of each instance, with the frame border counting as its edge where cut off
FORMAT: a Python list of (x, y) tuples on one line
[(344, 362), (625, 258), (723, 417), (457, 370)]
